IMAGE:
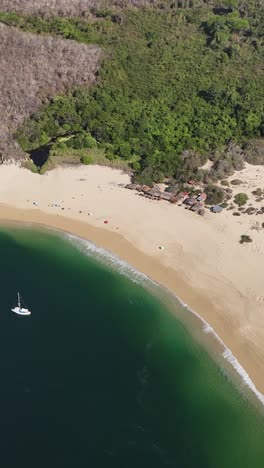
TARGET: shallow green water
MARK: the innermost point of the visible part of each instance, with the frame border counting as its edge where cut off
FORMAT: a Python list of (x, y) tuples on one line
[(102, 375)]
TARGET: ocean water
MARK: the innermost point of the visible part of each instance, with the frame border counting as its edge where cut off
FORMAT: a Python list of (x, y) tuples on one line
[(103, 375)]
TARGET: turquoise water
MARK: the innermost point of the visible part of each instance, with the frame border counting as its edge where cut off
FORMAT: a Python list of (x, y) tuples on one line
[(102, 375)]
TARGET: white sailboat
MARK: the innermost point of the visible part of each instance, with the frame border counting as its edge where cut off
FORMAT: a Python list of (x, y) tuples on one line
[(20, 310)]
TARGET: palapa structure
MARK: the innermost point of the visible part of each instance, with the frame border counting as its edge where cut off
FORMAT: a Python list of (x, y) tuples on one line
[(166, 196), (217, 209), (202, 197), (190, 201), (132, 186), (155, 194), (195, 204)]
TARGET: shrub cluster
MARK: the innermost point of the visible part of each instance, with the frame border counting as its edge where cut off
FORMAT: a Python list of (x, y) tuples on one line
[(215, 195), (254, 151)]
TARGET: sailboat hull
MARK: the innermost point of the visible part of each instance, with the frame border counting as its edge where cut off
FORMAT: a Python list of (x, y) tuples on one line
[(22, 311)]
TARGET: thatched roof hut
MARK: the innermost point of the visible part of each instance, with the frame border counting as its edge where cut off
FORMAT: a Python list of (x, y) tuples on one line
[(172, 189), (201, 212), (132, 186), (184, 195), (176, 198), (202, 197), (154, 193), (217, 209), (179, 197), (145, 189), (166, 196), (196, 207), (190, 201)]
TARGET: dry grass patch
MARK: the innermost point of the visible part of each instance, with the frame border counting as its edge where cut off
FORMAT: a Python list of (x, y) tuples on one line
[(66, 7)]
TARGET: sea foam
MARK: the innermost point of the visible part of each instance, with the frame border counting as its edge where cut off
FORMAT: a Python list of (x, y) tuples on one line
[(105, 256)]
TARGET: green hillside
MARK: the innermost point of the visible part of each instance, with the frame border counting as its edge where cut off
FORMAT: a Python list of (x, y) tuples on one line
[(176, 86)]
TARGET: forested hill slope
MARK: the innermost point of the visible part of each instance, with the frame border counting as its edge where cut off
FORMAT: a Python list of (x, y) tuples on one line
[(180, 82)]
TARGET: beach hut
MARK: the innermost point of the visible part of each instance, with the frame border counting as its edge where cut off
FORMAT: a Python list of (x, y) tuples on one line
[(196, 207), (132, 186), (202, 197), (190, 201), (144, 189), (166, 196), (217, 209), (175, 198), (184, 195), (179, 197), (155, 194), (172, 188)]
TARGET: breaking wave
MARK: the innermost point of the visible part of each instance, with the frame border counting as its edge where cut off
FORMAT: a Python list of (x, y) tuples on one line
[(108, 258)]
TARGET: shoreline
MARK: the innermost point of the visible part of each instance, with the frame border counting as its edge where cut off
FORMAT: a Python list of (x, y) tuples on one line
[(75, 229), (202, 262), (87, 247)]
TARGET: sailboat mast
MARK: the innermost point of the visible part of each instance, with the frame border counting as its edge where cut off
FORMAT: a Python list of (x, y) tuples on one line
[(18, 300)]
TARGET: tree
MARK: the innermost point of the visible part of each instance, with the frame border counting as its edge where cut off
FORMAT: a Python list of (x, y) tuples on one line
[(241, 199), (219, 28), (215, 195)]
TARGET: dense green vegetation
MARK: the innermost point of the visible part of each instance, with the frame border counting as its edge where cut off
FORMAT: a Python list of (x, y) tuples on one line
[(215, 195), (241, 199), (174, 87)]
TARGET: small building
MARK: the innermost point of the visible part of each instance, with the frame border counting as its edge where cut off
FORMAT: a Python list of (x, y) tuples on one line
[(132, 186), (196, 207), (217, 209), (190, 201), (175, 199), (201, 212), (179, 197), (202, 197), (184, 195), (144, 189), (172, 188), (154, 193), (166, 196)]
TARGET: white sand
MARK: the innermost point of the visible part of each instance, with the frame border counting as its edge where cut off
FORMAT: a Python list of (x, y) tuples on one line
[(202, 260)]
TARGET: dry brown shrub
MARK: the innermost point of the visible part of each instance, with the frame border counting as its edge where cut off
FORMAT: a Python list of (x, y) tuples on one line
[(35, 68), (65, 7)]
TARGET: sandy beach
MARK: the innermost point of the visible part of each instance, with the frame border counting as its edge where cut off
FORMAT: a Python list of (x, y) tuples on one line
[(202, 261)]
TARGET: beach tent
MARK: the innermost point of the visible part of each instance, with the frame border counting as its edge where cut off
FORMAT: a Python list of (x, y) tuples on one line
[(217, 209)]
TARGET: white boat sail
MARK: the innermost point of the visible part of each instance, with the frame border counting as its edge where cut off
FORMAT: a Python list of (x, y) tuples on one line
[(20, 310)]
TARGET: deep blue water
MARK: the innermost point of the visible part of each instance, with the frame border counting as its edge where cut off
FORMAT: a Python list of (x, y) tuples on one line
[(102, 375)]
